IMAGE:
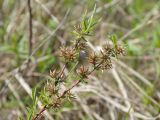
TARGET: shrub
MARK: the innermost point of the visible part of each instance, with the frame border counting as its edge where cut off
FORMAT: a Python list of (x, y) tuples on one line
[(52, 94)]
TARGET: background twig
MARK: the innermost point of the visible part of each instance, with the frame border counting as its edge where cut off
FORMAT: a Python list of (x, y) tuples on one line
[(30, 26)]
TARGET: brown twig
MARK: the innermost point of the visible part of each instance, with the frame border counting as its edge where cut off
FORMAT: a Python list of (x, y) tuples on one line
[(40, 112), (96, 67), (30, 26), (66, 91)]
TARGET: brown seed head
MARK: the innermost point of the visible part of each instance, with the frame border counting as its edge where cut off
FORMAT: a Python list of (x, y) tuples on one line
[(54, 73), (57, 103), (106, 65), (83, 72), (69, 54), (93, 59), (80, 45), (52, 89), (120, 50), (105, 57), (78, 28), (63, 51), (108, 50)]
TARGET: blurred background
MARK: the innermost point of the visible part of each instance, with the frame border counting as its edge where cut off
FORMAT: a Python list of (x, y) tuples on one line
[(129, 91)]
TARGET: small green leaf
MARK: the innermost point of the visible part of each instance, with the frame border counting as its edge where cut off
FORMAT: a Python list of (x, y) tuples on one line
[(45, 96), (90, 20), (30, 113), (114, 40), (84, 22), (34, 94)]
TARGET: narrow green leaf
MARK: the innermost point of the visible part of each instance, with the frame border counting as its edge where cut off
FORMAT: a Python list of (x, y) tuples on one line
[(114, 40), (90, 20), (34, 90)]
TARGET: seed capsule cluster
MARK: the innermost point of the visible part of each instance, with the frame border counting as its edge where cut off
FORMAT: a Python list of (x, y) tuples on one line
[(95, 61)]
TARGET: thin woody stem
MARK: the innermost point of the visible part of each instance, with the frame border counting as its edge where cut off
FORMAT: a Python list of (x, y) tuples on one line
[(95, 67), (30, 26), (66, 91), (40, 112)]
